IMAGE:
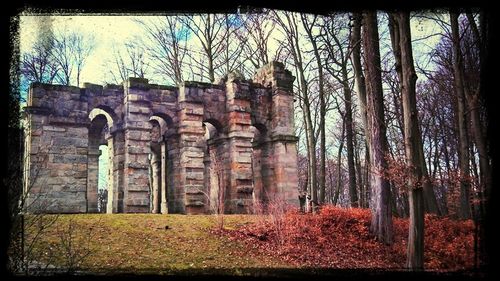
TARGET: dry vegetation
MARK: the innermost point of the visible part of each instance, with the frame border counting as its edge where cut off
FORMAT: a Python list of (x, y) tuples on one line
[(142, 244), (340, 238), (248, 244)]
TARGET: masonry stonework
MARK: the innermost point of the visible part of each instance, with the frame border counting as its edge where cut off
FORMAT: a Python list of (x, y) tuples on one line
[(189, 149)]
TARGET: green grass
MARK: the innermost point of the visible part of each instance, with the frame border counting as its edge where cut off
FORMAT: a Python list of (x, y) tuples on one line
[(139, 243)]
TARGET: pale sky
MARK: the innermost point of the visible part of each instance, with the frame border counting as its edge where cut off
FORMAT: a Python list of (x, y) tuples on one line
[(112, 31), (109, 32)]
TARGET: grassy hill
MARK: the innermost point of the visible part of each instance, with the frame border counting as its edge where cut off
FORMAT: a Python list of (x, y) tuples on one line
[(148, 243), (280, 244)]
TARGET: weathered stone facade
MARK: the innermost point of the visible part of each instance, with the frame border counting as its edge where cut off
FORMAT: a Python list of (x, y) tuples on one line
[(171, 149)]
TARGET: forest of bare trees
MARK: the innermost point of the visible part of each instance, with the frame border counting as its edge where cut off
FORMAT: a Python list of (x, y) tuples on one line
[(385, 121)]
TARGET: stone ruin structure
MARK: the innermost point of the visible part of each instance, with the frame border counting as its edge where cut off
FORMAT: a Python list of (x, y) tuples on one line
[(189, 149)]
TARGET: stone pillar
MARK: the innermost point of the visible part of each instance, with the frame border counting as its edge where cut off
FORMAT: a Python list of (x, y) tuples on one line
[(116, 178), (111, 205), (156, 180), (258, 188), (190, 174), (137, 141), (267, 173), (282, 146), (174, 192), (285, 187), (163, 178), (92, 177), (239, 197)]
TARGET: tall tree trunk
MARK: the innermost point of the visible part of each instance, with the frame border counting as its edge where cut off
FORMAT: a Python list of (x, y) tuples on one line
[(349, 139), (478, 127), (430, 201), (360, 89), (339, 165), (292, 37), (413, 145), (359, 176), (464, 210), (322, 111), (381, 224)]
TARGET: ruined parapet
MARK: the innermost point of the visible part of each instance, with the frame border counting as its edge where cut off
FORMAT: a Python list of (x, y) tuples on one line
[(56, 149), (279, 152), (254, 144)]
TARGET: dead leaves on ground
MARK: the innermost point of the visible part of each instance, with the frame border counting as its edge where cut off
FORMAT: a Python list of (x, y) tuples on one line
[(340, 238)]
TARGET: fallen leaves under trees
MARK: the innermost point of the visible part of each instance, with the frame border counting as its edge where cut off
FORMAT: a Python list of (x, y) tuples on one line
[(340, 238)]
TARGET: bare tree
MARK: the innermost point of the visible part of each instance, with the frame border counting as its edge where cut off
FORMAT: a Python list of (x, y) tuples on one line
[(254, 37), (167, 46), (462, 118), (308, 27), (337, 48), (381, 224), (38, 65), (131, 64), (413, 141), (70, 52), (360, 85), (213, 33), (288, 23)]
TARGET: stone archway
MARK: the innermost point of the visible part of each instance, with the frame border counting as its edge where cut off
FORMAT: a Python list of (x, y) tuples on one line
[(159, 158), (75, 121), (102, 120)]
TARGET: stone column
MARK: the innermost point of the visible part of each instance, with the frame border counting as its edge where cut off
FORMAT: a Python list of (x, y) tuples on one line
[(282, 147), (163, 181), (174, 192), (156, 176), (116, 151), (190, 174), (267, 173), (137, 140), (111, 206), (258, 188), (92, 178), (239, 197)]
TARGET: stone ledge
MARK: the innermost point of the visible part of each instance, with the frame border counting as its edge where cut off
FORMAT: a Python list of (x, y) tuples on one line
[(93, 88), (196, 203), (38, 110), (244, 189), (137, 83), (51, 87), (285, 138)]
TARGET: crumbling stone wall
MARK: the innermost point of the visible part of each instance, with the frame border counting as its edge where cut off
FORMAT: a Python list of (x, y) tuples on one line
[(171, 149)]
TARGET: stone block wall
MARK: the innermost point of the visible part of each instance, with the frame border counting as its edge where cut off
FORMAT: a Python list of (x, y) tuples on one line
[(172, 165)]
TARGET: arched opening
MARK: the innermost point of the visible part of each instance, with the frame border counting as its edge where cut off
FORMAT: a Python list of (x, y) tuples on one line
[(261, 168), (102, 180), (215, 180), (100, 190), (161, 189)]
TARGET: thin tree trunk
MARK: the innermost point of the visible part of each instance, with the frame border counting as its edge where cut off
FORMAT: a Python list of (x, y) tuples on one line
[(349, 139), (339, 165), (430, 202), (359, 175), (477, 126), (361, 92), (464, 210), (381, 224), (413, 146), (322, 110)]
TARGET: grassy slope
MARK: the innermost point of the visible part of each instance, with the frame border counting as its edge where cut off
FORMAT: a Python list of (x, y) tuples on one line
[(335, 238), (140, 243)]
